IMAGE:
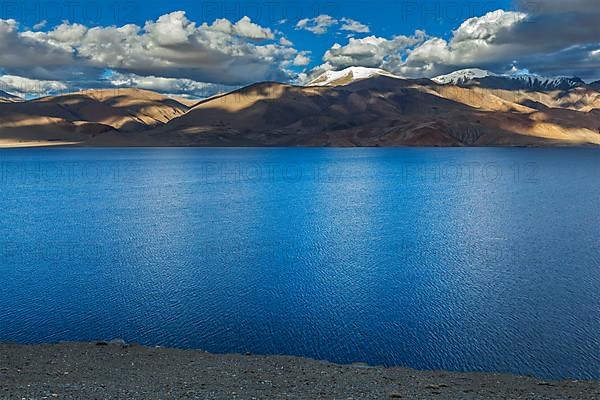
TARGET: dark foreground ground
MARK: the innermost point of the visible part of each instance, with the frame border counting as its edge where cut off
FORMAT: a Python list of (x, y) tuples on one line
[(115, 371)]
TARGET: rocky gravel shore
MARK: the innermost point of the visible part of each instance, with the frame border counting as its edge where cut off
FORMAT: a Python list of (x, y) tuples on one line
[(115, 370)]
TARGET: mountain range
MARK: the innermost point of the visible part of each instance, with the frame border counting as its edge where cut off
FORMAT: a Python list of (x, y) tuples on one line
[(489, 80), (7, 97), (353, 107)]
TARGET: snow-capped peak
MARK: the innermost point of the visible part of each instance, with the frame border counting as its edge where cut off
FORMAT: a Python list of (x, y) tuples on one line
[(519, 80), (9, 97), (462, 76), (349, 75), (541, 82)]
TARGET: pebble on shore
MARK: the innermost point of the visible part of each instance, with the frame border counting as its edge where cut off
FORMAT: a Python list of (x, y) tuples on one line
[(117, 370)]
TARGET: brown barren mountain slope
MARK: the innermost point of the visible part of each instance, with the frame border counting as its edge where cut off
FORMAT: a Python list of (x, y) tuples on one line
[(379, 111), (79, 117), (8, 98)]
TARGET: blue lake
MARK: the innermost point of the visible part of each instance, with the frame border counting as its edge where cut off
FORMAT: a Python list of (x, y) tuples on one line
[(457, 259)]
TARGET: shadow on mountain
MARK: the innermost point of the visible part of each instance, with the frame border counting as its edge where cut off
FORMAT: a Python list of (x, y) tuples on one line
[(379, 111)]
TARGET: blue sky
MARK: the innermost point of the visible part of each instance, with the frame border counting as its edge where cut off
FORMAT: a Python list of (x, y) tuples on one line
[(189, 47), (384, 18)]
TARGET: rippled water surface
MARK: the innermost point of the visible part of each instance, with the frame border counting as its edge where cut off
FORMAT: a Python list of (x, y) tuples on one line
[(461, 259)]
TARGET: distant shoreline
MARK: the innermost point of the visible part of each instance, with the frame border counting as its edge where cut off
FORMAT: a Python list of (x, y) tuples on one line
[(42, 144), (5, 144), (118, 371)]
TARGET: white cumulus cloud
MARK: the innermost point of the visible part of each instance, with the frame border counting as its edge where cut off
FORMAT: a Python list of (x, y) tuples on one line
[(318, 25), (178, 86), (25, 87), (351, 25), (321, 24), (302, 59), (172, 46), (243, 28)]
